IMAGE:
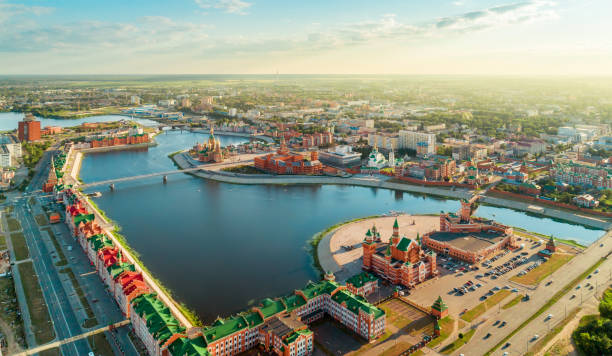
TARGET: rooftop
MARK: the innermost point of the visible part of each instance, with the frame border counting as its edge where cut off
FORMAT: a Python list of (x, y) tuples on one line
[(473, 241)]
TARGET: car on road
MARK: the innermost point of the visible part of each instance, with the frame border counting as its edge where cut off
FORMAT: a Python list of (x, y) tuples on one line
[(596, 271), (502, 324), (589, 276), (507, 345), (548, 317), (549, 283), (535, 337), (496, 322), (578, 286), (601, 245), (488, 335), (573, 296)]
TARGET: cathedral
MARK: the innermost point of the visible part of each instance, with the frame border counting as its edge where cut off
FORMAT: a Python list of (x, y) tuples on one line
[(210, 151), (400, 261)]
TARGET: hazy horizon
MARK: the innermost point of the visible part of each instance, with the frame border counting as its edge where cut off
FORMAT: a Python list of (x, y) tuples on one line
[(358, 37)]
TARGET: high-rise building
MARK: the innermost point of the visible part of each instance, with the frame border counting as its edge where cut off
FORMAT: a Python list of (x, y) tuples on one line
[(411, 139), (29, 129)]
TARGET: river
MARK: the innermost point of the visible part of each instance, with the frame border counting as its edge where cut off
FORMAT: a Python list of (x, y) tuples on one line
[(220, 247), (9, 120)]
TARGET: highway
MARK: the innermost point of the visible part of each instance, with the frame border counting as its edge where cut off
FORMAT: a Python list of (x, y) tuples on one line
[(64, 320), (516, 315)]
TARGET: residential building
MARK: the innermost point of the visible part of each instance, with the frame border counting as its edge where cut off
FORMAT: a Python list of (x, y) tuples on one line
[(586, 201), (582, 175), (385, 142), (6, 159), (362, 284), (28, 129), (411, 140)]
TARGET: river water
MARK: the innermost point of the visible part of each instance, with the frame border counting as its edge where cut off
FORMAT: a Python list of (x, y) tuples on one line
[(220, 247), (9, 120)]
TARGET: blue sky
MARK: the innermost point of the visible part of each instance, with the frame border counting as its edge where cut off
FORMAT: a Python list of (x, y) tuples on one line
[(258, 36)]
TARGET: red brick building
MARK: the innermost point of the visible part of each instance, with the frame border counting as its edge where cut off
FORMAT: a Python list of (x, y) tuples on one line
[(119, 140), (468, 238), (400, 261), (283, 162), (28, 129)]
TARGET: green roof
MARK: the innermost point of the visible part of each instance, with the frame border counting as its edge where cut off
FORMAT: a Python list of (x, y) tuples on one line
[(388, 252), (316, 289), (269, 307), (354, 303), (118, 268), (253, 318), (395, 224), (159, 320), (224, 327), (83, 218), (100, 241), (293, 302), (404, 244), (439, 305), (360, 279), (291, 338), (189, 347)]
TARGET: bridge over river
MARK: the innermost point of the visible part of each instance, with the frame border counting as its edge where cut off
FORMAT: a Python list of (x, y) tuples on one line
[(111, 182)]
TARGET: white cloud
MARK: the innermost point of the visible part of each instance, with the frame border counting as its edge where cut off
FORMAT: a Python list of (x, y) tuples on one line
[(229, 6)]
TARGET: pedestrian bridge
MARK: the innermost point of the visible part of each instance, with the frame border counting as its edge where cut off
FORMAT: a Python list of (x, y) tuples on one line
[(111, 182)]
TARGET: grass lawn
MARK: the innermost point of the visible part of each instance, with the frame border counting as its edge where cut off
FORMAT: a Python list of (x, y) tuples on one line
[(396, 319), (50, 352), (2, 242), (396, 349), (100, 345), (13, 224), (39, 315), (486, 305), (544, 270), (10, 309), (19, 246), (455, 345), (41, 219), (446, 328), (513, 302), (58, 248), (544, 340), (555, 298)]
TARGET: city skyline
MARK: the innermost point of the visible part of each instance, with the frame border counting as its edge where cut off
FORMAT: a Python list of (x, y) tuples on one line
[(259, 37)]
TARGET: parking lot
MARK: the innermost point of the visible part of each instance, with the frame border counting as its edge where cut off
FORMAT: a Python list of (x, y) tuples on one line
[(463, 286)]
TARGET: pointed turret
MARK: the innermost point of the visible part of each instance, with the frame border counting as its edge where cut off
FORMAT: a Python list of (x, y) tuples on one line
[(368, 236), (395, 236), (388, 252), (439, 308)]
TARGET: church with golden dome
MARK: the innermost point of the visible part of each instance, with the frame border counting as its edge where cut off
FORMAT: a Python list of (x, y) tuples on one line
[(209, 151)]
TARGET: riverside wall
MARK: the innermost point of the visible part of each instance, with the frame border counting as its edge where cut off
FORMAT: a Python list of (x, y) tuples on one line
[(236, 134)]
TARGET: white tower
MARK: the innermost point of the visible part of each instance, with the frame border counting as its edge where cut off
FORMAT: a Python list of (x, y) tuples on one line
[(391, 158)]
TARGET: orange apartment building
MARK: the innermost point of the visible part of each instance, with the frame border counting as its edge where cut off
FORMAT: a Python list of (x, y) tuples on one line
[(28, 129), (117, 141), (400, 261)]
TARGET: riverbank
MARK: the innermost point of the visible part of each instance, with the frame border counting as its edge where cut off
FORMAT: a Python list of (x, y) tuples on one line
[(112, 230), (382, 182), (236, 134)]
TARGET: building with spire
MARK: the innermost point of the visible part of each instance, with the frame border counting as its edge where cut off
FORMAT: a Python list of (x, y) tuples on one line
[(551, 248), (209, 151), (400, 261)]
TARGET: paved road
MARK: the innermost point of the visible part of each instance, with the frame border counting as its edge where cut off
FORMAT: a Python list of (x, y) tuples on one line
[(63, 317), (564, 275)]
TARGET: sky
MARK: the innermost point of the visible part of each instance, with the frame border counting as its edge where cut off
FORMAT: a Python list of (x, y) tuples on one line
[(481, 37)]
